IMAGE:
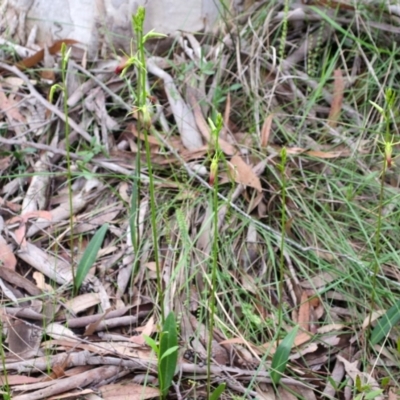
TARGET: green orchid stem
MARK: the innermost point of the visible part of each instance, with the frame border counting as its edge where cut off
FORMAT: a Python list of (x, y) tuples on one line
[(388, 145), (144, 124), (282, 244), (216, 129)]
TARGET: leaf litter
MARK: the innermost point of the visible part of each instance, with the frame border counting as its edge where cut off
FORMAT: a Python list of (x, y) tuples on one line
[(57, 345)]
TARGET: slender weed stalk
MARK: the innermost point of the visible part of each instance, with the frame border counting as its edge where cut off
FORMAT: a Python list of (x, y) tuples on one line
[(64, 90), (215, 131), (144, 125), (282, 167), (284, 31), (387, 141)]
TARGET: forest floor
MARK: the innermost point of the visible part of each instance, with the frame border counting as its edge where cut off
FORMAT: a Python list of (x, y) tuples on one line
[(256, 208)]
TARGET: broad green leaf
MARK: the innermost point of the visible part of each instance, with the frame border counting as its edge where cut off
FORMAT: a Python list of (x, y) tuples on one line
[(167, 364), (385, 323), (281, 356), (218, 391), (89, 256)]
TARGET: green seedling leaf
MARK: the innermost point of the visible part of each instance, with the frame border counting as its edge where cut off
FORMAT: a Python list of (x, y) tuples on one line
[(89, 256), (53, 89), (358, 384), (373, 394), (167, 364), (378, 107), (385, 382), (385, 323), (218, 391), (281, 356), (152, 343), (153, 35)]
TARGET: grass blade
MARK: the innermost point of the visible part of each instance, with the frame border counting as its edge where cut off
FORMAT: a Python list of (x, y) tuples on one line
[(385, 323), (168, 357), (218, 391), (89, 256), (281, 356)]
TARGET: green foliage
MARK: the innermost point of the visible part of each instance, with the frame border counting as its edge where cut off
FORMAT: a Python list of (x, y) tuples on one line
[(63, 88), (385, 323), (392, 316), (217, 392), (89, 257), (365, 391), (166, 352), (218, 155), (281, 356), (144, 123)]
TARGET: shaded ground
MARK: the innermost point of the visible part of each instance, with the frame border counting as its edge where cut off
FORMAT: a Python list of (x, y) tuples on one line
[(311, 241)]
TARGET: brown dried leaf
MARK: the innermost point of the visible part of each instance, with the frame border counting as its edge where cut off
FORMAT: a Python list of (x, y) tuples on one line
[(91, 328), (328, 154), (353, 371), (284, 394), (204, 129), (266, 130), (304, 312), (41, 282), (8, 260), (146, 330), (242, 173), (82, 302), (131, 391), (23, 338), (152, 140), (227, 113), (337, 100), (23, 219), (315, 153), (336, 375), (318, 281), (5, 162), (185, 121), (16, 279), (392, 395), (10, 108), (18, 380)]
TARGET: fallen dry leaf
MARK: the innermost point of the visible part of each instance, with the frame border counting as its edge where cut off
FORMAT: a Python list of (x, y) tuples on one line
[(184, 118), (10, 108), (242, 173), (304, 312), (146, 330), (130, 390), (204, 129), (7, 257), (353, 371), (337, 100), (266, 130)]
